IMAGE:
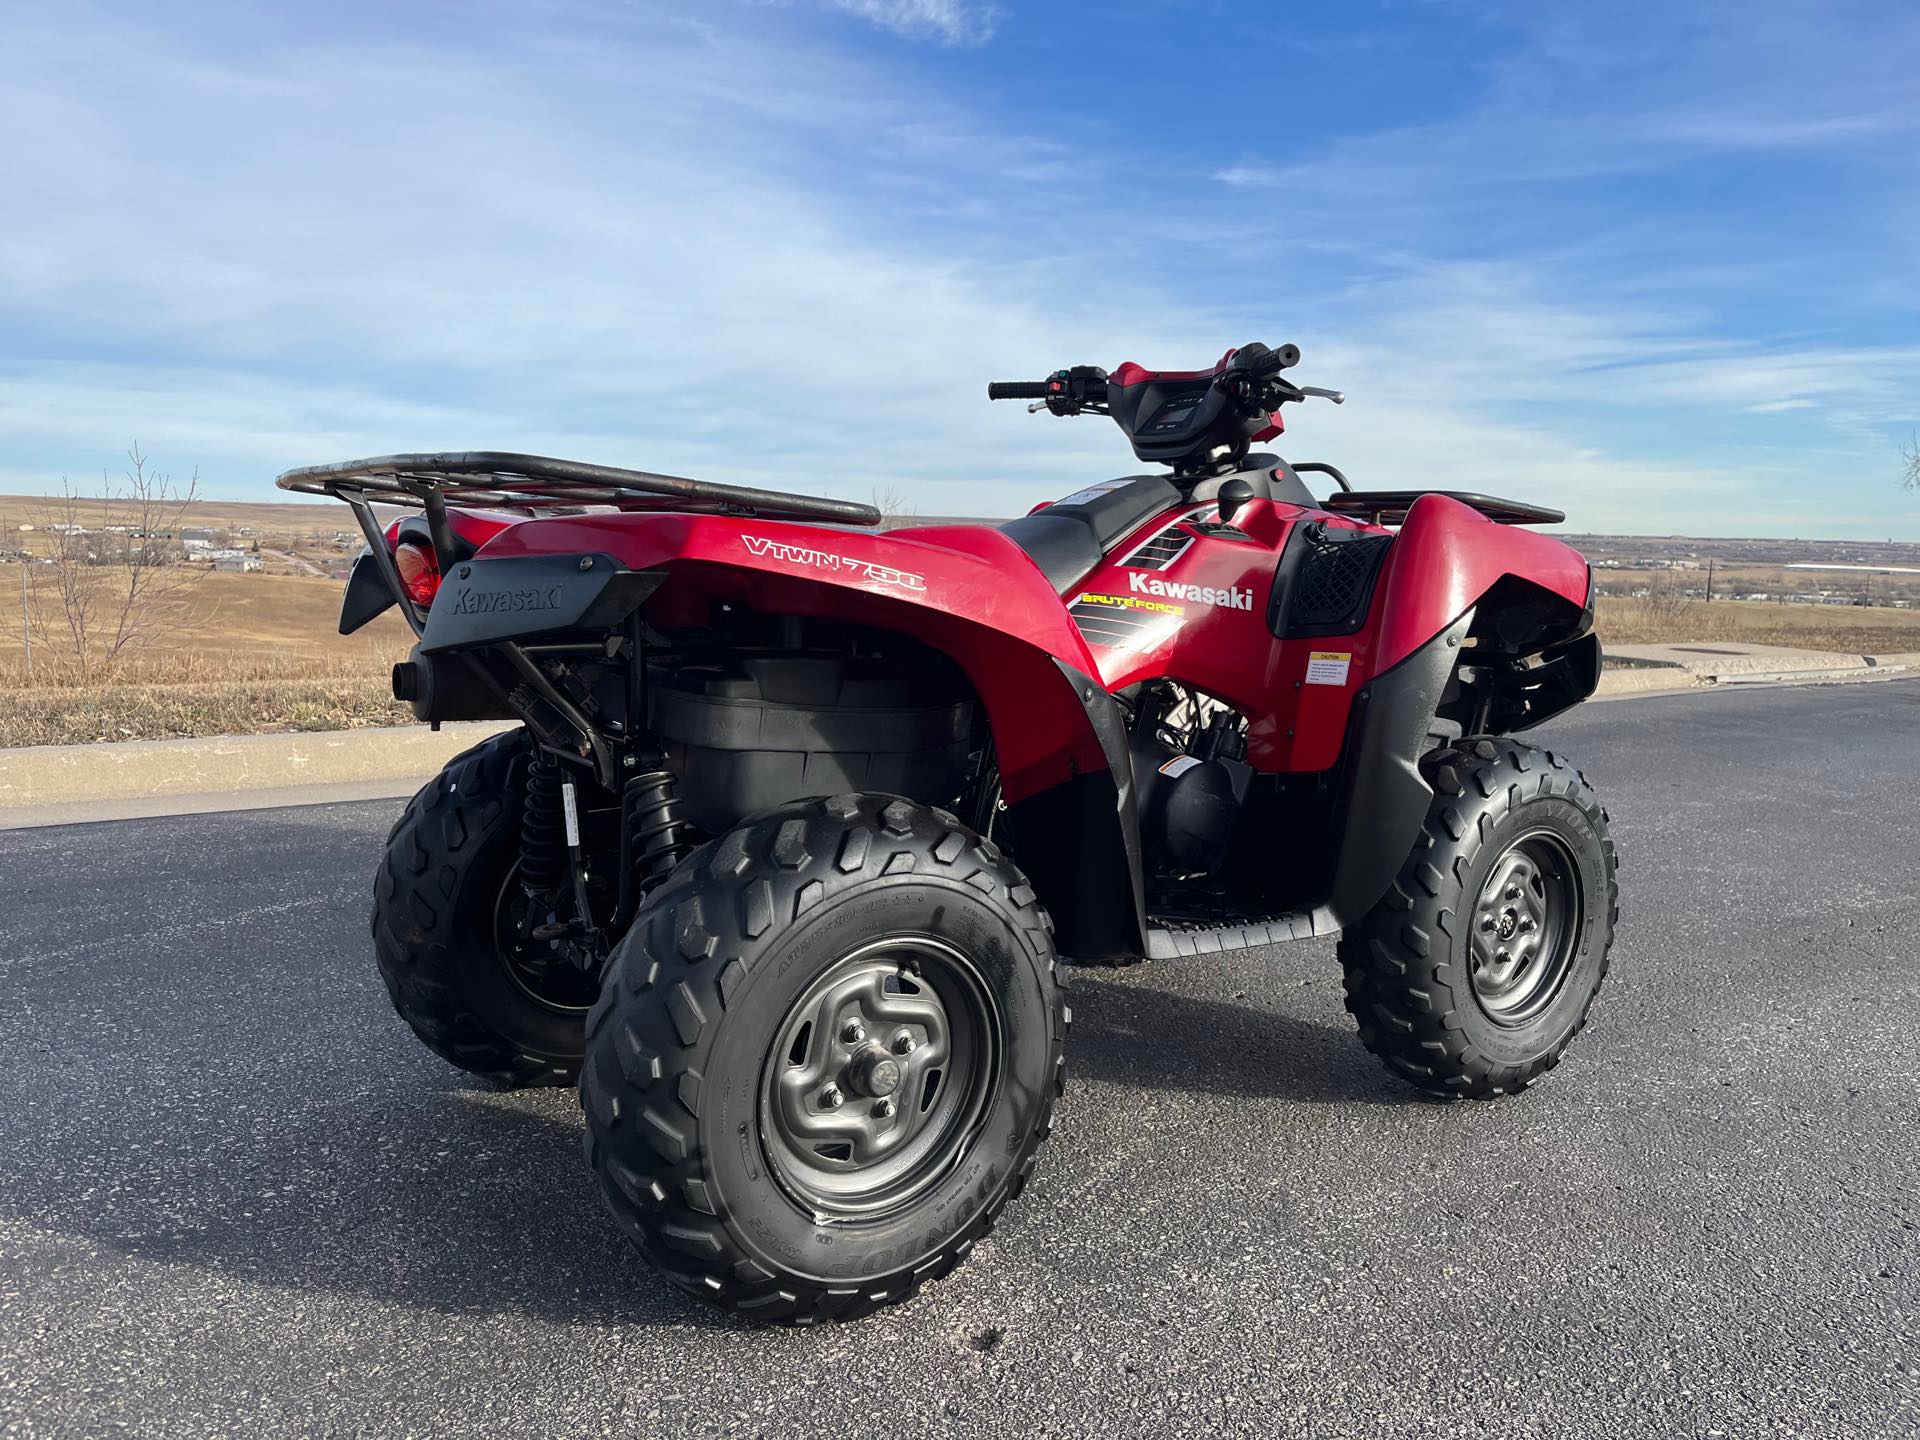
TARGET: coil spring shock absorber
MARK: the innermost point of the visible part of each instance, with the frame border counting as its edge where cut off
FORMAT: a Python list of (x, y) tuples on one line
[(656, 828), (543, 829)]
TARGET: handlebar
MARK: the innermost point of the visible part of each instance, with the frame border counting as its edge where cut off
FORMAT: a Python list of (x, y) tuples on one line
[(1251, 375), (1017, 389)]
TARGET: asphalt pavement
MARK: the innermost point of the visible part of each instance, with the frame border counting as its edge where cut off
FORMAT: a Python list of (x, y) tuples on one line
[(237, 1198)]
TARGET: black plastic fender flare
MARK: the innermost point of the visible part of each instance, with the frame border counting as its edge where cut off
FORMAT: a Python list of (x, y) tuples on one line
[(1387, 796)]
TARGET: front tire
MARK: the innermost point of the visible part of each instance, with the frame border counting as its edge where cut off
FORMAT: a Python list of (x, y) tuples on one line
[(824, 1058), (1479, 965)]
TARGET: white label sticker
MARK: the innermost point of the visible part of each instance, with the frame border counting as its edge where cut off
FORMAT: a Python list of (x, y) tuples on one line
[(1179, 766), (1328, 667), (1105, 487)]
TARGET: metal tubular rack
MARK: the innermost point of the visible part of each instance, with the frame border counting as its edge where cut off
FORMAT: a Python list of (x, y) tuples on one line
[(504, 480)]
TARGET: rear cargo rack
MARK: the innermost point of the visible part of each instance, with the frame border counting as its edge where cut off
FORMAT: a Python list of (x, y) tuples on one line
[(1389, 507), (503, 480)]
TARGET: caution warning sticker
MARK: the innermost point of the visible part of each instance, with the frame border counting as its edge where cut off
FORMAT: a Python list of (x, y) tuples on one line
[(1328, 667)]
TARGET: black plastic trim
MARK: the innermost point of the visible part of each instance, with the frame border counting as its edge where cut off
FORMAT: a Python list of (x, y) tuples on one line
[(483, 602), (1090, 853), (367, 596), (1387, 796)]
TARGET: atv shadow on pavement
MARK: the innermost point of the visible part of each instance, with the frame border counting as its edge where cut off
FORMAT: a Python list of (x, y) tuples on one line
[(1130, 1035), (434, 1198)]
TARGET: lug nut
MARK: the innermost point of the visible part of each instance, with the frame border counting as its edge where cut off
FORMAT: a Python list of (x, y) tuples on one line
[(1526, 922), (854, 1032), (903, 1044), (832, 1098), (1501, 957), (882, 1108), (1513, 890)]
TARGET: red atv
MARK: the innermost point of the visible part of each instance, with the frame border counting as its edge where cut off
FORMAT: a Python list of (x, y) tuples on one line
[(800, 817)]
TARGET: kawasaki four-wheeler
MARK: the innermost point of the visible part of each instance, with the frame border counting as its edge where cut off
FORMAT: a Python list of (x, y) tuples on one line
[(801, 815)]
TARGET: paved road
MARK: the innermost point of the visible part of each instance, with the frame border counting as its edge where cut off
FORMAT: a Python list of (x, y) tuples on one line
[(235, 1198)]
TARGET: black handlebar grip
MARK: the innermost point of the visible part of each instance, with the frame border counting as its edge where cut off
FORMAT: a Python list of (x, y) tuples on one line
[(1017, 389), (1289, 356)]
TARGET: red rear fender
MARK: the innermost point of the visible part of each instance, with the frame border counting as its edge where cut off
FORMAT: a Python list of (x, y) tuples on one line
[(965, 590)]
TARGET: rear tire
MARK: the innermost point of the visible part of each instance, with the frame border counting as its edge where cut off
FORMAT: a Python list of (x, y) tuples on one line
[(824, 1058), (1479, 965), (448, 863)]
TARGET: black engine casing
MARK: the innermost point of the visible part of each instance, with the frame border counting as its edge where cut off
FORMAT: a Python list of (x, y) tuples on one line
[(1187, 806)]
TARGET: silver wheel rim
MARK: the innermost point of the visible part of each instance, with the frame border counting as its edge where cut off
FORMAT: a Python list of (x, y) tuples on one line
[(878, 1077), (1526, 924)]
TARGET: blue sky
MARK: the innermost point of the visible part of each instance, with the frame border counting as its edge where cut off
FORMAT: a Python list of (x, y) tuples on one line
[(1658, 264)]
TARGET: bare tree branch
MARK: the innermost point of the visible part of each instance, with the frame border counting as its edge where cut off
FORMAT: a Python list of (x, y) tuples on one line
[(109, 586), (892, 502)]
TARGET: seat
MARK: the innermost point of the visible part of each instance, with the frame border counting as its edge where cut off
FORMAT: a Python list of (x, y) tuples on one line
[(1070, 537)]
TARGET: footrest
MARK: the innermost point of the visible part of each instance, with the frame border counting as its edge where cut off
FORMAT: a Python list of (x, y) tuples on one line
[(1170, 939)]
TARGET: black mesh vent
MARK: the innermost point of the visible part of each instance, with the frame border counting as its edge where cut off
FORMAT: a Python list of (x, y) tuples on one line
[(1161, 551), (1333, 583)]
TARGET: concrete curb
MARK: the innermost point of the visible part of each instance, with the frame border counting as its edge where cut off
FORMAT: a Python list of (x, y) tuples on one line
[(49, 784)]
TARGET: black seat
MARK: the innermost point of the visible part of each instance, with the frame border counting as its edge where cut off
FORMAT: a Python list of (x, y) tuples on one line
[(1069, 538)]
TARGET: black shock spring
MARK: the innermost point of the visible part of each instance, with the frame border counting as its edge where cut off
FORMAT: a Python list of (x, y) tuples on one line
[(656, 826), (543, 829)]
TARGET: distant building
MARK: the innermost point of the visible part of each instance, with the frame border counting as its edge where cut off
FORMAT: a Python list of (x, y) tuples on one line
[(235, 563)]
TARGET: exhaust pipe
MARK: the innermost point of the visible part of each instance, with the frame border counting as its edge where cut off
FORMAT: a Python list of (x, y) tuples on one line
[(446, 687)]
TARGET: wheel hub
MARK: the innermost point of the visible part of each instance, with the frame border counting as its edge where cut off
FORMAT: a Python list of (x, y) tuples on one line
[(877, 1077), (542, 968), (1526, 924), (873, 1073)]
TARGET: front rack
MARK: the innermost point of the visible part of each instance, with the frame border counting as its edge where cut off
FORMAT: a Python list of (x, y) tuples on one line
[(505, 480)]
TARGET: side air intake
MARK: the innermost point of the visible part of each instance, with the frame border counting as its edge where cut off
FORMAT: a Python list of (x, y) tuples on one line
[(1326, 581)]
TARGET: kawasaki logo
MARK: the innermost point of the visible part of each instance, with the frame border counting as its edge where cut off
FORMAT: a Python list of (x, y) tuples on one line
[(827, 560), (492, 602), (1231, 598)]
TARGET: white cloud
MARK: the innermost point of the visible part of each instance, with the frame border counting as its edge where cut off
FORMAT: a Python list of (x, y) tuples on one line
[(957, 22), (755, 258)]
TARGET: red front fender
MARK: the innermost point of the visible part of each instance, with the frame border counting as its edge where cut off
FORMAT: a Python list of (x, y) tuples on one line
[(1447, 556)]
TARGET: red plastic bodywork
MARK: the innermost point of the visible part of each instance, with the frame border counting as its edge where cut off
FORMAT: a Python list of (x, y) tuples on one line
[(972, 593)]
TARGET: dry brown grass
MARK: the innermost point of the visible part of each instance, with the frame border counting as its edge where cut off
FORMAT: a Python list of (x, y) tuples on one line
[(1851, 630), (162, 712), (257, 653)]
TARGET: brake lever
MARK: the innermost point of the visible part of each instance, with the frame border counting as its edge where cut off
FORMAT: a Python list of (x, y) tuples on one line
[(1336, 396), (1036, 407)]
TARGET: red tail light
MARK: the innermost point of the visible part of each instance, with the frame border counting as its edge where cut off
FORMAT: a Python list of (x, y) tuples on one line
[(419, 571)]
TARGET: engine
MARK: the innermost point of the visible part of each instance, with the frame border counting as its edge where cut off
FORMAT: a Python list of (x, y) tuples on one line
[(1190, 778)]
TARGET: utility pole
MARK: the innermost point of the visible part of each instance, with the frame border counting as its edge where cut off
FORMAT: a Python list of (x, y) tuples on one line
[(26, 622), (1709, 578)]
